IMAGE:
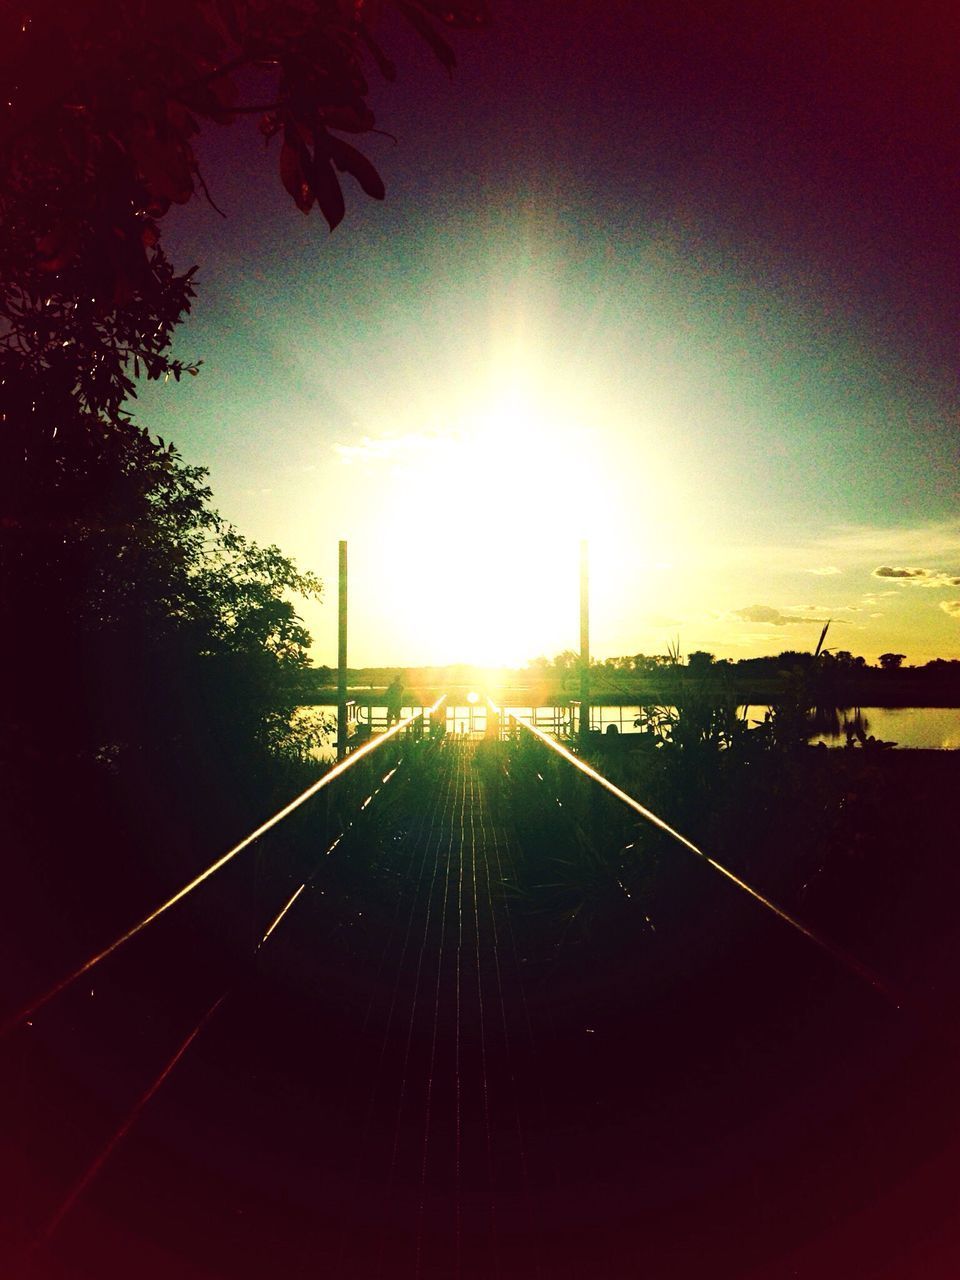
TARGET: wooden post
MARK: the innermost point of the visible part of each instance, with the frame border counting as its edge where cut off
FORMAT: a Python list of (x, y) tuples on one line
[(584, 640), (342, 657)]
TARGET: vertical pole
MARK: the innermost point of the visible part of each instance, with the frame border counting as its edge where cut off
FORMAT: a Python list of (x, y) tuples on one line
[(584, 640), (342, 657)]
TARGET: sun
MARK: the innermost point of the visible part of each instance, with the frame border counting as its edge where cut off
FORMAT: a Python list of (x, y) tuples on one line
[(487, 525), (472, 526)]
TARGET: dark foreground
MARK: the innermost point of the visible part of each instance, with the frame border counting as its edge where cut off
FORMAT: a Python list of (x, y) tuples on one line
[(443, 1065)]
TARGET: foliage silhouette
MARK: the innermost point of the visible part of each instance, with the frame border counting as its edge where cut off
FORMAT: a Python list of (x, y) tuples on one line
[(141, 627), (101, 106), (139, 606)]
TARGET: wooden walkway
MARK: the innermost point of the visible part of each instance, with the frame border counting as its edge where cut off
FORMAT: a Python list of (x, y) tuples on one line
[(407, 1087), (439, 1180)]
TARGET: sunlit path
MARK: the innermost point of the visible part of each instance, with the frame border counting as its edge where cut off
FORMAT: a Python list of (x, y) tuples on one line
[(448, 1061), (439, 1164)]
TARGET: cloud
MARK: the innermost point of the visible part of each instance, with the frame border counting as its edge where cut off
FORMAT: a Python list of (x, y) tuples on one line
[(952, 607), (917, 577), (886, 572), (832, 609), (827, 571), (764, 613)]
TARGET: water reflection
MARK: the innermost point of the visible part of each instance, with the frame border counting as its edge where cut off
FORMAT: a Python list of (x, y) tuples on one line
[(909, 727), (930, 728)]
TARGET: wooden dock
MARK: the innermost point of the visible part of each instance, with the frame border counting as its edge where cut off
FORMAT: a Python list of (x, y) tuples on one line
[(426, 1075)]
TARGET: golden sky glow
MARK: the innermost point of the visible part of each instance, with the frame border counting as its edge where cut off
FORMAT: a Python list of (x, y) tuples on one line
[(741, 463), (469, 532), (473, 515)]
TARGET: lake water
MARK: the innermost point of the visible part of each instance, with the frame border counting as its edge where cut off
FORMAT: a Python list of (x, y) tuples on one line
[(936, 728)]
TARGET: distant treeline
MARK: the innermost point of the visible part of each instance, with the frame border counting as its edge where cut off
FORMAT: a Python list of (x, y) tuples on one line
[(702, 663), (840, 677)]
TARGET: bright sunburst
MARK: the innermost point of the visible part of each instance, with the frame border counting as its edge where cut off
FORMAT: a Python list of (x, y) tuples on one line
[(490, 514)]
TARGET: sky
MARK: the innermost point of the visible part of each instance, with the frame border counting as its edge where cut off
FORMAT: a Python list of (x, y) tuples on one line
[(680, 279)]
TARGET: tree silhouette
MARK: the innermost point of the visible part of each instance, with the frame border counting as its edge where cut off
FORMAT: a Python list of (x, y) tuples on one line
[(101, 106), (700, 662), (143, 621), (892, 661), (138, 623)]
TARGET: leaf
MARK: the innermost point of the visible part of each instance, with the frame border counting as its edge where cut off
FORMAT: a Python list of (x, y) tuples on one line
[(349, 160), (823, 636), (269, 125), (165, 163), (292, 157), (227, 15), (434, 39), (225, 91), (57, 249), (386, 66), (327, 188)]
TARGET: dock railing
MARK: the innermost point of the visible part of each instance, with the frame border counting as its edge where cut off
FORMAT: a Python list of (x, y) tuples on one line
[(517, 726), (360, 775)]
